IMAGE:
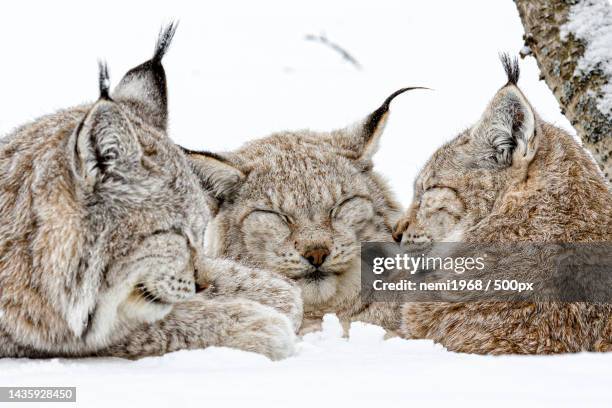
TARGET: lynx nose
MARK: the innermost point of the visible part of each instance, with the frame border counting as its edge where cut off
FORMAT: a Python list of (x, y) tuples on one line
[(316, 256)]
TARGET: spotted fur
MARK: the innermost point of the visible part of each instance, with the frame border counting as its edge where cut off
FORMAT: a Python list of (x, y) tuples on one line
[(299, 204), (510, 178), (102, 236)]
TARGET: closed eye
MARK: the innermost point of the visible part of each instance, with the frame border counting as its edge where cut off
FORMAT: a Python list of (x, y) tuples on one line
[(434, 187), (449, 212), (441, 187), (287, 219), (334, 211)]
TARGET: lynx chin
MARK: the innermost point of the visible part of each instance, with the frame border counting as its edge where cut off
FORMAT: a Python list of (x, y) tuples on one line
[(102, 235), (299, 204), (510, 178)]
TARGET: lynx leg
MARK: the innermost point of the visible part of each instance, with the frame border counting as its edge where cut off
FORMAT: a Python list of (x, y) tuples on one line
[(223, 322), (385, 314), (228, 278)]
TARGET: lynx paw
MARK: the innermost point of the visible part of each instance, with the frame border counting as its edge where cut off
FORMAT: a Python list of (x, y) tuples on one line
[(261, 329), (228, 278)]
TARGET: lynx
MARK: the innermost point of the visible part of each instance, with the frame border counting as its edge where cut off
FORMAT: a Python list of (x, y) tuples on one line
[(510, 178), (102, 237), (299, 204)]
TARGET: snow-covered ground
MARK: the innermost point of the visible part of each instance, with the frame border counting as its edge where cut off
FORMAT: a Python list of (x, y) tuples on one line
[(240, 70), (328, 371)]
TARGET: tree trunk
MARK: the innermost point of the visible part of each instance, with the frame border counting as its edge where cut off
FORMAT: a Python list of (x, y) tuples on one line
[(577, 92)]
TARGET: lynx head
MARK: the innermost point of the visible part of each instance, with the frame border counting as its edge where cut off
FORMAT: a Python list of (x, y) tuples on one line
[(106, 215), (462, 180), (299, 203), (143, 199)]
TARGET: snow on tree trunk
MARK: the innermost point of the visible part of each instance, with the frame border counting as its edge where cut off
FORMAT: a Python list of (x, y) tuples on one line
[(572, 43)]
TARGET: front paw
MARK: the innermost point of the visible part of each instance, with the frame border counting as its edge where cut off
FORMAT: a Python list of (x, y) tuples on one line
[(314, 324), (224, 278), (310, 325), (260, 329)]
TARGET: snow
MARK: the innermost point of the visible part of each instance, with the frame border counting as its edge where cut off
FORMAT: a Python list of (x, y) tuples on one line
[(327, 370), (239, 70), (591, 22)]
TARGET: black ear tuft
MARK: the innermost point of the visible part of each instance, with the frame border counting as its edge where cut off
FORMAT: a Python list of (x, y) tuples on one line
[(511, 66), (375, 117), (103, 80), (360, 140), (144, 87), (166, 34)]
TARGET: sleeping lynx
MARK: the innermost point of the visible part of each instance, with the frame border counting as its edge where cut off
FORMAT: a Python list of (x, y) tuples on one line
[(511, 177), (300, 204), (101, 238)]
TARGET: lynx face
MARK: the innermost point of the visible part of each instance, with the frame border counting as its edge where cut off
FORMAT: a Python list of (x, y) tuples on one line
[(150, 201), (142, 187), (307, 229), (146, 199), (300, 204), (459, 185), (438, 211), (451, 194), (103, 219)]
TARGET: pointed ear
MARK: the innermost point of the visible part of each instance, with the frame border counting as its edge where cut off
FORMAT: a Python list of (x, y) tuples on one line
[(218, 173), (508, 127), (104, 143), (144, 87), (360, 140)]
